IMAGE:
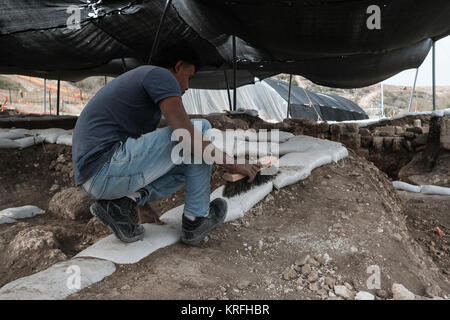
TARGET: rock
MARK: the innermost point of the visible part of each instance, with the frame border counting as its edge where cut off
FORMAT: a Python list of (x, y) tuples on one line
[(389, 130), (377, 144), (313, 262), (363, 295), (313, 276), (433, 291), (397, 237), (306, 269), (54, 187), (421, 140), (125, 287), (301, 262), (364, 132), (445, 133), (417, 123), (314, 287), (243, 284), (366, 141), (387, 142), (322, 259), (348, 285), (94, 226), (342, 291), (61, 159), (71, 203), (416, 130), (36, 247), (397, 144), (289, 274), (401, 293), (330, 282), (399, 130), (381, 293)]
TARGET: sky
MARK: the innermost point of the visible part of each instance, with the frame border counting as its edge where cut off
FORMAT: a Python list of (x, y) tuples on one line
[(406, 78)]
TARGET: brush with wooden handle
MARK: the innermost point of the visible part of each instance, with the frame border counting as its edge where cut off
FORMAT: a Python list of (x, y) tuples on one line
[(236, 183)]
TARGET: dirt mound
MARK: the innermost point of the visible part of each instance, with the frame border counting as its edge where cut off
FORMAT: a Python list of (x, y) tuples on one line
[(346, 217)]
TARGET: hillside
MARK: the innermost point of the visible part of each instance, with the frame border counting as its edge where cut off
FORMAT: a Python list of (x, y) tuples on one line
[(27, 95)]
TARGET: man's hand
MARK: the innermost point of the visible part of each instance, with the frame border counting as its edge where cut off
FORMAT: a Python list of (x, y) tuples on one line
[(148, 215), (246, 169)]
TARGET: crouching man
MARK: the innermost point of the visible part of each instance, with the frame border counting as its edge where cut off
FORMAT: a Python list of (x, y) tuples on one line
[(123, 162)]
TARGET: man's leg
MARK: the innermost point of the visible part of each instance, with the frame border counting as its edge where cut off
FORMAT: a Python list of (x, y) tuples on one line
[(144, 168)]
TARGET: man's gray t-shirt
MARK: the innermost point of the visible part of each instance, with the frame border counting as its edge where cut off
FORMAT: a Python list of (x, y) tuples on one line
[(125, 107)]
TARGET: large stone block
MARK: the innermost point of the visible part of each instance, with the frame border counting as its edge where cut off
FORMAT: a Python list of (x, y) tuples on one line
[(71, 203), (366, 141), (386, 131), (445, 133), (377, 144)]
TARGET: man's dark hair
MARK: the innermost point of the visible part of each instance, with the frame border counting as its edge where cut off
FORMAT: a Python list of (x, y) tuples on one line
[(170, 54)]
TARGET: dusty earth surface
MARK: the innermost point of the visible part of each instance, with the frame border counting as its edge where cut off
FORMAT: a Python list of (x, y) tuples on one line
[(298, 243)]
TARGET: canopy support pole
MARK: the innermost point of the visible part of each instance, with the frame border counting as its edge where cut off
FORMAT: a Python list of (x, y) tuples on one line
[(289, 97), (161, 22), (228, 89), (58, 95), (45, 95), (413, 91), (105, 81), (434, 75), (234, 74)]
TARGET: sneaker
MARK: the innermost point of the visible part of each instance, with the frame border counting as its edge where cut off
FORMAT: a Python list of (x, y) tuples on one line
[(194, 232), (119, 216)]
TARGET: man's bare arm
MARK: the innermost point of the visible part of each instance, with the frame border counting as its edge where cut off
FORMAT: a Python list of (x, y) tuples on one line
[(173, 110)]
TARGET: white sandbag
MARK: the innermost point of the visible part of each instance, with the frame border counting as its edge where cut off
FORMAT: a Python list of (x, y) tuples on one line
[(400, 185), (297, 144), (437, 190), (59, 281), (6, 220), (11, 135), (256, 148), (8, 144), (298, 166), (19, 213), (29, 141), (112, 249), (20, 131), (50, 135), (441, 113), (65, 139), (263, 135)]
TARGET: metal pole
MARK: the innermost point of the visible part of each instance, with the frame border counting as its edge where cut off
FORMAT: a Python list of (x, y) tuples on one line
[(434, 75), (45, 95), (50, 101), (105, 81), (228, 89), (58, 95), (382, 101), (234, 74), (10, 100), (413, 90), (156, 41), (289, 96)]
